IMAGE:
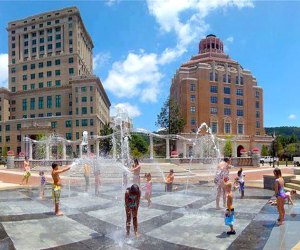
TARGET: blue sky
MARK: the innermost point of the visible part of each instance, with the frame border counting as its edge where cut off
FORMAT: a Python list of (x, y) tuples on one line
[(140, 44)]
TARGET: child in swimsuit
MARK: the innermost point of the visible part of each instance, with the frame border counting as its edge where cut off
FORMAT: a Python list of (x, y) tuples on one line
[(229, 215), (241, 182), (27, 174), (132, 202), (148, 187), (169, 181), (42, 185), (280, 195)]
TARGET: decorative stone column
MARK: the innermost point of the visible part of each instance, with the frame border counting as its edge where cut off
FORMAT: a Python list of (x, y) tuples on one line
[(167, 148), (184, 149), (80, 151), (30, 150), (64, 151), (97, 148), (151, 147)]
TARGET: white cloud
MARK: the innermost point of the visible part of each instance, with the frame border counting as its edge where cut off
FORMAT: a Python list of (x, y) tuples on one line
[(132, 110), (229, 39), (292, 117), (100, 59), (137, 76), (111, 2), (3, 70)]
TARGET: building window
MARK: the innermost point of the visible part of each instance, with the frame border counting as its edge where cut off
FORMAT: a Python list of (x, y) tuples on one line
[(240, 102), (32, 66), (32, 86), (24, 67), (41, 75), (77, 135), (227, 90), (71, 60), (214, 127), (240, 129), (193, 121), (49, 73), (58, 45), (242, 80), (7, 139), (77, 123), (49, 63), (57, 72), (213, 89), (69, 136), (91, 88), (24, 77), (92, 110), (41, 115), (84, 99), (211, 76), (49, 102), (91, 122), (24, 87), (193, 98), (42, 48), (24, 104), (49, 84), (13, 89), (58, 113), (224, 78), (213, 110), (257, 124), (229, 78), (32, 103), (240, 112), (18, 126), (84, 122), (68, 124), (57, 101), (240, 92), (83, 89), (227, 128), (257, 94), (49, 114), (7, 127), (193, 109), (13, 79), (57, 83), (216, 77), (53, 124), (213, 99), (57, 62), (257, 104), (257, 115), (33, 50), (83, 110), (57, 37), (49, 39), (227, 101), (193, 87), (41, 65), (71, 71), (227, 111), (32, 76), (41, 102)]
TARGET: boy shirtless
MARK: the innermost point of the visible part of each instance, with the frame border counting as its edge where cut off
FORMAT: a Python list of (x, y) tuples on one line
[(56, 188), (229, 215), (169, 181)]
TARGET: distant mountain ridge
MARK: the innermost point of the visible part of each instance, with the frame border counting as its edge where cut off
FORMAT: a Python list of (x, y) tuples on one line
[(284, 130)]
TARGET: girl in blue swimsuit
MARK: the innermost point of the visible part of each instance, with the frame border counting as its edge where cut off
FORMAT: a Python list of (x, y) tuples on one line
[(280, 195)]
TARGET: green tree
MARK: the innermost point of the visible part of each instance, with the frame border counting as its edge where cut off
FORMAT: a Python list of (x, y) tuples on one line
[(227, 151), (106, 144), (169, 117), (138, 145), (40, 150), (290, 150), (292, 139), (264, 150)]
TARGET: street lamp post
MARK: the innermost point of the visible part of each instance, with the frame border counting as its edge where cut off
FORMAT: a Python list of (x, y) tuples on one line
[(273, 144)]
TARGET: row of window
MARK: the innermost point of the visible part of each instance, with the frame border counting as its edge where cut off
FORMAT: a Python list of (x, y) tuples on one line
[(227, 128), (226, 100), (226, 90), (41, 102), (226, 78)]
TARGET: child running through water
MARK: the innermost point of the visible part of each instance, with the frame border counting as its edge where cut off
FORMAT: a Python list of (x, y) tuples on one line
[(148, 187), (132, 202), (241, 182), (229, 215), (56, 188), (169, 181), (42, 185), (27, 174)]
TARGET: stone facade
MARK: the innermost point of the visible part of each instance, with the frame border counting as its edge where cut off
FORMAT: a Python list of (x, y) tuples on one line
[(52, 88), (213, 88)]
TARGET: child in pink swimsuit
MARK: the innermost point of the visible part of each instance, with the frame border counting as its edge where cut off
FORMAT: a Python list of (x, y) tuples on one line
[(148, 187)]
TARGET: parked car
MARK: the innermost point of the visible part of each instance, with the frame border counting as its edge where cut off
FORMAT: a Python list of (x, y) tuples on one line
[(296, 161), (268, 159), (2, 161)]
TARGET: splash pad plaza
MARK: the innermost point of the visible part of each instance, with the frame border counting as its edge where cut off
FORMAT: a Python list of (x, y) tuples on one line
[(183, 219)]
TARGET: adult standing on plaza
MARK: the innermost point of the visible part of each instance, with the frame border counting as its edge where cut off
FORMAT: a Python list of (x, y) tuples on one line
[(27, 174), (222, 176), (136, 169)]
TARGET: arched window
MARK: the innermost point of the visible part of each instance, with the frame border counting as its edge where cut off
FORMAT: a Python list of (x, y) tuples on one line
[(216, 77), (229, 78), (211, 76), (224, 78)]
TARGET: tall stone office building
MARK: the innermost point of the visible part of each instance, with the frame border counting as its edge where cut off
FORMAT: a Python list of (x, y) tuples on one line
[(51, 87), (213, 88)]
